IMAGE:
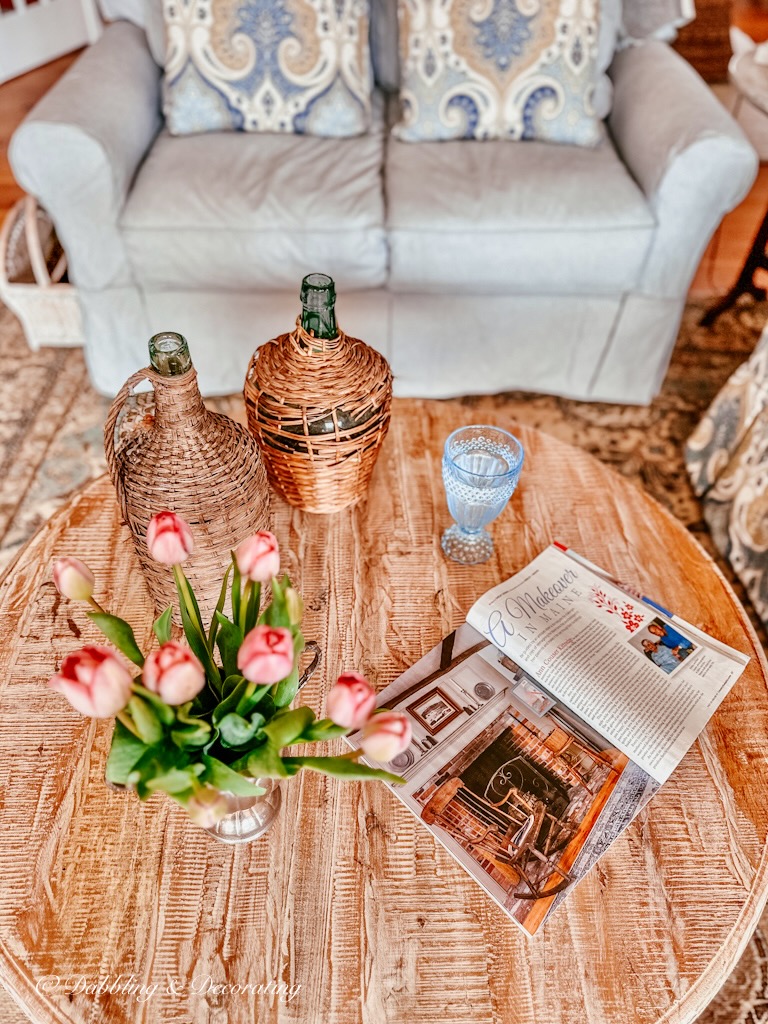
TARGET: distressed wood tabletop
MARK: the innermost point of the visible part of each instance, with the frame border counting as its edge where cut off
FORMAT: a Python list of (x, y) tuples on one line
[(348, 910)]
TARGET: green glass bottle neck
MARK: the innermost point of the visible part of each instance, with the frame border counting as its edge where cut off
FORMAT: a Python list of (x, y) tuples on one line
[(318, 299), (320, 323), (169, 354)]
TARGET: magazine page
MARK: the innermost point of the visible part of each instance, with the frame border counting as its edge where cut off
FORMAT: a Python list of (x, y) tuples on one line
[(637, 676), (523, 792)]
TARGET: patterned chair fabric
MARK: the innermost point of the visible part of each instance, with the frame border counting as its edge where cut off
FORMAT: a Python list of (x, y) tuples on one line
[(727, 459)]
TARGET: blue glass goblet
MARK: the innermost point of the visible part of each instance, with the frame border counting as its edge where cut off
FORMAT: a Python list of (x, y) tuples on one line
[(481, 468)]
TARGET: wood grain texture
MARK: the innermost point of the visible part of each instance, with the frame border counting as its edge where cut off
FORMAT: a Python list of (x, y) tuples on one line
[(349, 896)]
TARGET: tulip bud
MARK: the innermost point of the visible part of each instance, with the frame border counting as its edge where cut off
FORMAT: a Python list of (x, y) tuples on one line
[(173, 673), (207, 807), (351, 701), (266, 655), (294, 605), (258, 557), (385, 736), (94, 681), (73, 579), (169, 538)]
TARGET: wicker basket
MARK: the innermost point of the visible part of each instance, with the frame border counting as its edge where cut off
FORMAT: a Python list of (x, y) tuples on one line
[(32, 271), (320, 410)]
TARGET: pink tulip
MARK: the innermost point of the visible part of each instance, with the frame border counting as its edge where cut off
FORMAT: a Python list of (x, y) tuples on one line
[(173, 673), (169, 538), (207, 807), (258, 557), (94, 681), (351, 701), (73, 579), (385, 735), (266, 655)]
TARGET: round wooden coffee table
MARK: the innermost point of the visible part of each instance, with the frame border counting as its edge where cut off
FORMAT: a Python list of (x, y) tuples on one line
[(348, 910)]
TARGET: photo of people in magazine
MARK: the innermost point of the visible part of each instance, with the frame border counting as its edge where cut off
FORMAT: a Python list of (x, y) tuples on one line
[(663, 645)]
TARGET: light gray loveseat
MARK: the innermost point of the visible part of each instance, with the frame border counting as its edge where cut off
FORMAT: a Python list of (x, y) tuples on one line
[(473, 266)]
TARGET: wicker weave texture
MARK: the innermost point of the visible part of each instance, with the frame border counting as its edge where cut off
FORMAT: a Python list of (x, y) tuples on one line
[(320, 410), (201, 465), (32, 271)]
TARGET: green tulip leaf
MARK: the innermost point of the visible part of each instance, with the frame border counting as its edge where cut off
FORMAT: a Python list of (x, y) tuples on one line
[(221, 776), (276, 612), (342, 768), (287, 726), (284, 692), (120, 633), (155, 761), (266, 707), (324, 729), (125, 752), (264, 762), (252, 611), (146, 720), (235, 731), (231, 702), (229, 641), (166, 714), (250, 699), (229, 685), (190, 737), (219, 609), (162, 626), (237, 586), (174, 781)]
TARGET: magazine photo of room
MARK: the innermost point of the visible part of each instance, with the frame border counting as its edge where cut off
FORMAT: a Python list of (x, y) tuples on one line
[(521, 799)]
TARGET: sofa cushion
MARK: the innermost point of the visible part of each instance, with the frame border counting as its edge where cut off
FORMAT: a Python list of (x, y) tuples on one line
[(528, 219), (267, 66), (240, 211), (505, 69)]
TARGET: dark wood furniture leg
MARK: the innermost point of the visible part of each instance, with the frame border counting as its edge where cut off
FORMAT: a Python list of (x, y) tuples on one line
[(757, 259)]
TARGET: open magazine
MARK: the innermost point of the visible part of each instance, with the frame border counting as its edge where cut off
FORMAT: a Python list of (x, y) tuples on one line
[(544, 725)]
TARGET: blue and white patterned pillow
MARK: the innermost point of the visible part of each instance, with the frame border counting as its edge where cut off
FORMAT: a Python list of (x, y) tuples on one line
[(499, 69), (299, 66)]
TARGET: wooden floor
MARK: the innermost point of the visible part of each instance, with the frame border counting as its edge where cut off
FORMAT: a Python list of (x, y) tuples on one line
[(719, 266)]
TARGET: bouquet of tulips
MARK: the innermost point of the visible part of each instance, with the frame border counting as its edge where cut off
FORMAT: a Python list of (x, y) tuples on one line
[(204, 719)]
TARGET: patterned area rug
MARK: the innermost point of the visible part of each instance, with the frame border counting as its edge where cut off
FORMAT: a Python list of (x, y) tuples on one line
[(51, 442)]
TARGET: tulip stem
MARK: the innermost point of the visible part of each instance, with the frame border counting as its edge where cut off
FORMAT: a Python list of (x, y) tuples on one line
[(95, 604), (351, 755)]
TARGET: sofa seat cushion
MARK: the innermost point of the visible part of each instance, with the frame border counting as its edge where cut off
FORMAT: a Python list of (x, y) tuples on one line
[(245, 211), (532, 218)]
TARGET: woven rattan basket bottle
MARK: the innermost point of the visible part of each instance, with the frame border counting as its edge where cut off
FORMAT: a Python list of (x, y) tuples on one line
[(184, 458), (319, 403)]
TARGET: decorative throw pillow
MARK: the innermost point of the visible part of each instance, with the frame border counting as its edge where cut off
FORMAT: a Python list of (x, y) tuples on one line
[(298, 66), (493, 69)]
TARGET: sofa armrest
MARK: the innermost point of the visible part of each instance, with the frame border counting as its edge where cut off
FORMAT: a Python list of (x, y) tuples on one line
[(78, 150), (685, 151)]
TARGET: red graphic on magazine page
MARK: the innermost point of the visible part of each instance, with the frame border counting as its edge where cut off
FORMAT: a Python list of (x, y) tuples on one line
[(628, 614)]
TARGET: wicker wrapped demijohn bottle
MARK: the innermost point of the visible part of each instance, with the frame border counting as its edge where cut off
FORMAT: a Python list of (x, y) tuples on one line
[(185, 459), (319, 403)]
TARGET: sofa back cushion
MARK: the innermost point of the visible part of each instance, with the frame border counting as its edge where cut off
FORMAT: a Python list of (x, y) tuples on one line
[(267, 66), (504, 69)]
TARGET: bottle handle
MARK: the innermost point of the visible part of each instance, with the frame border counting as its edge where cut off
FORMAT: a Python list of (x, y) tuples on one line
[(110, 442)]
